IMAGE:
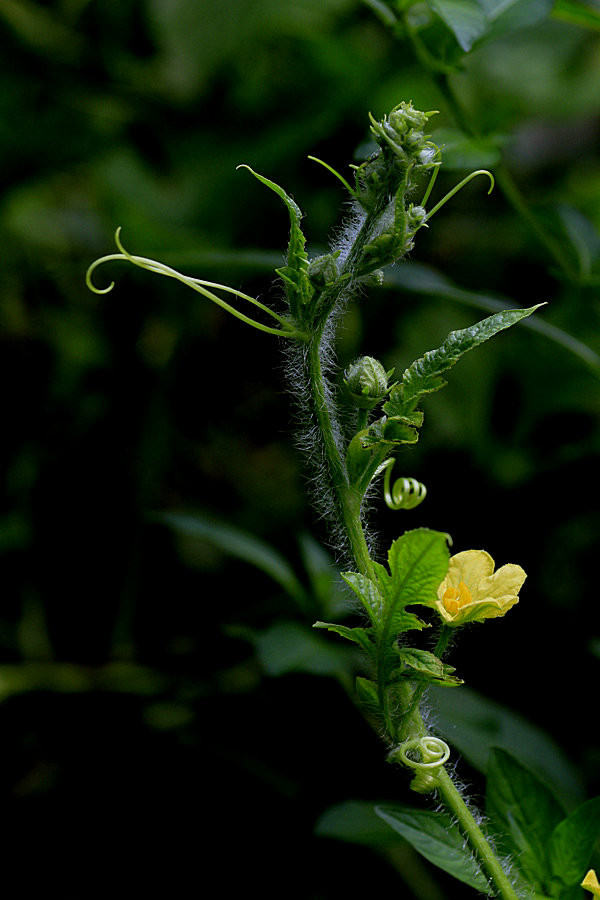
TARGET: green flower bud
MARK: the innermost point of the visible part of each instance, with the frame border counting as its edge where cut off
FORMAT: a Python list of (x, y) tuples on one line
[(367, 382), (323, 270), (415, 217), (403, 132)]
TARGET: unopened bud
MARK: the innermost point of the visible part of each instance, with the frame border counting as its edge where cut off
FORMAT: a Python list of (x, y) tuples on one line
[(367, 382)]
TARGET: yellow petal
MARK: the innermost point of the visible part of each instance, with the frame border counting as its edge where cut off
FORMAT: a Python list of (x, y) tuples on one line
[(506, 582), (471, 567), (591, 883), (472, 591)]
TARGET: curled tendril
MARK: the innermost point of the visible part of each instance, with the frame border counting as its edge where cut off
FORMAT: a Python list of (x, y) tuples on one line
[(405, 493), (433, 752), (196, 284)]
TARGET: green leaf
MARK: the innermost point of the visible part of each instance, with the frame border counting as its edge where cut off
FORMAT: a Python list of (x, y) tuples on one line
[(368, 696), (357, 822), (424, 375), (573, 841), (295, 273), (428, 665), (358, 636), (524, 813), (367, 592), (438, 839), (418, 562), (291, 647), (420, 279), (577, 13)]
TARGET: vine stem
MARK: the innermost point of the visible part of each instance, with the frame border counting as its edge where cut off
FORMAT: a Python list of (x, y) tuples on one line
[(348, 503), (348, 500), (475, 835)]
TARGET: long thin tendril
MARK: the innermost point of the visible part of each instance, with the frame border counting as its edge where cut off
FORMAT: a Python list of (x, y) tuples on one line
[(459, 187), (196, 284), (434, 175), (333, 171)]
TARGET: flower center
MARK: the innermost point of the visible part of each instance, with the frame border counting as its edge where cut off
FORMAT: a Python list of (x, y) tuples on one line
[(455, 598)]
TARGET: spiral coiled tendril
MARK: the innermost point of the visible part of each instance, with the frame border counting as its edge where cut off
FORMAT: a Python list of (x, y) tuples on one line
[(433, 752), (405, 493)]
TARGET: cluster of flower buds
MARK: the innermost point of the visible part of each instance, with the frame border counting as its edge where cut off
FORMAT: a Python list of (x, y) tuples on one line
[(386, 179)]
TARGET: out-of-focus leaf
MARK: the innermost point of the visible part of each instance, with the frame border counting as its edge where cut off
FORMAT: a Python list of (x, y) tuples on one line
[(324, 578), (291, 647), (356, 822), (573, 840), (578, 13), (524, 812), (459, 151), (579, 237), (68, 678), (473, 724), (506, 16), (438, 839), (479, 21), (465, 18), (240, 544)]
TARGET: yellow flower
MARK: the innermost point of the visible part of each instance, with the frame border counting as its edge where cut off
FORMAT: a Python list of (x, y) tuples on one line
[(472, 591), (591, 883)]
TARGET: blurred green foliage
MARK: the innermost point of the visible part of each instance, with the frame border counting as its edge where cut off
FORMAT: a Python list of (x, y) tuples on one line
[(139, 661)]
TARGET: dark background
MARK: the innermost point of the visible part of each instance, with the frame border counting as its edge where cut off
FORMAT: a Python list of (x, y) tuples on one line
[(145, 742)]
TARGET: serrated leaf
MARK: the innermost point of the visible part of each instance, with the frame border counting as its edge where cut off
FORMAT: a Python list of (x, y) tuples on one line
[(367, 592), (358, 636), (295, 273), (417, 278), (524, 813), (438, 839), (418, 562), (424, 375), (428, 666), (573, 841)]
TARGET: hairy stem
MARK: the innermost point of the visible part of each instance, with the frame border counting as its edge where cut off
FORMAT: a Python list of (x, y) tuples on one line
[(348, 507), (346, 498), (475, 835)]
